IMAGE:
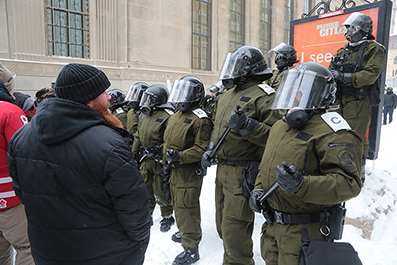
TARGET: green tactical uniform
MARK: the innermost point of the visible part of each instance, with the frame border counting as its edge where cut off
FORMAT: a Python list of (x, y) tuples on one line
[(274, 81), (188, 134), (132, 121), (357, 111), (149, 134), (120, 113), (330, 163), (234, 218)]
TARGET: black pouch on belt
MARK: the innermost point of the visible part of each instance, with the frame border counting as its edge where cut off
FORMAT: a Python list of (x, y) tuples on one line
[(250, 172)]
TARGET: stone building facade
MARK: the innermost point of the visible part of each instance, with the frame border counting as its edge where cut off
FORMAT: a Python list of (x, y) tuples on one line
[(137, 40)]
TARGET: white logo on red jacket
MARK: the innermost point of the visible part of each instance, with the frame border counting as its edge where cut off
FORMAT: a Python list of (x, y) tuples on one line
[(3, 204), (24, 119)]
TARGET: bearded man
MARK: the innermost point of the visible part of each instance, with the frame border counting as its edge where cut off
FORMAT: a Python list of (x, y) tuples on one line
[(85, 200)]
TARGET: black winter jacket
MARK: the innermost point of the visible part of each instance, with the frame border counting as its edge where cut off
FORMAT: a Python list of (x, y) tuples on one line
[(85, 200), (390, 100)]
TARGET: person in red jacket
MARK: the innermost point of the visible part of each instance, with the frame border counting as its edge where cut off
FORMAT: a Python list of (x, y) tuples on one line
[(13, 223)]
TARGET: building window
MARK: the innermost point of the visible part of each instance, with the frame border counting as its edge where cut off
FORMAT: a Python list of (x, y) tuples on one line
[(201, 34), (395, 60), (237, 11), (308, 6), (68, 28), (288, 10), (265, 25)]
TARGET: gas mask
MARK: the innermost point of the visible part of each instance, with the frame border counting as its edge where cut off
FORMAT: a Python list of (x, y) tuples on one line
[(145, 110), (281, 62), (229, 83), (354, 34), (297, 118), (183, 106)]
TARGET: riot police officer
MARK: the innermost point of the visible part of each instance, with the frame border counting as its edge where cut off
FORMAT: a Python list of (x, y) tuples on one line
[(150, 138), (133, 98), (239, 154), (284, 56), (209, 100), (356, 68), (116, 106), (315, 159), (185, 140)]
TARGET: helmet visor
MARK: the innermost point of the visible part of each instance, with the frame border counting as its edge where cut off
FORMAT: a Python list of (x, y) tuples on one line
[(148, 99), (357, 20), (276, 50), (133, 93), (233, 66), (182, 91), (348, 29), (300, 88)]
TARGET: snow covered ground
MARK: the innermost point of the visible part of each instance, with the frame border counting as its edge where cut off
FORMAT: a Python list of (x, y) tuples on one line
[(369, 226)]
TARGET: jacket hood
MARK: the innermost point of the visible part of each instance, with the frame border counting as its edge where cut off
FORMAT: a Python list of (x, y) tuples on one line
[(58, 120), (5, 94)]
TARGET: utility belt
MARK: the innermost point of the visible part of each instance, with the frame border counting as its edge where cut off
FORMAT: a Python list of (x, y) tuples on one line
[(331, 219), (233, 162), (293, 219), (186, 165), (200, 171)]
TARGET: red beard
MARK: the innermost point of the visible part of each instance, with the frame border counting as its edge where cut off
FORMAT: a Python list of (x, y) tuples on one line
[(106, 114)]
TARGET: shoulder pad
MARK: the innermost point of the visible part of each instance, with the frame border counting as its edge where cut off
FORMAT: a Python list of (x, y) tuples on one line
[(335, 121), (170, 112), (268, 89), (378, 43), (200, 113), (120, 110)]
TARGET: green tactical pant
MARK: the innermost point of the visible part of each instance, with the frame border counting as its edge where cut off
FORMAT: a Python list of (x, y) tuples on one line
[(150, 171), (185, 188), (357, 112), (280, 243), (234, 218)]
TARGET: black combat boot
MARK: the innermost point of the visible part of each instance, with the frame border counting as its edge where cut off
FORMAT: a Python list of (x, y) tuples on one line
[(166, 223), (177, 237), (186, 258)]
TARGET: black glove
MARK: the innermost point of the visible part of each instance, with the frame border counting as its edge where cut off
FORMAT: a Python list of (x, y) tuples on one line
[(337, 75), (289, 178), (206, 160), (345, 78), (239, 121), (172, 156), (165, 184), (254, 202)]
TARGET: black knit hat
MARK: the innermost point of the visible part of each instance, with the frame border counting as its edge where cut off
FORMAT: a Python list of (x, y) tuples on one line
[(81, 83)]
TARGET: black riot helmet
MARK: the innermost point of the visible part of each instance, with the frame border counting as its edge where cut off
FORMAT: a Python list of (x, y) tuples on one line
[(186, 92), (135, 93), (304, 89), (283, 55), (246, 63), (308, 86), (357, 27), (117, 98), (155, 96)]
